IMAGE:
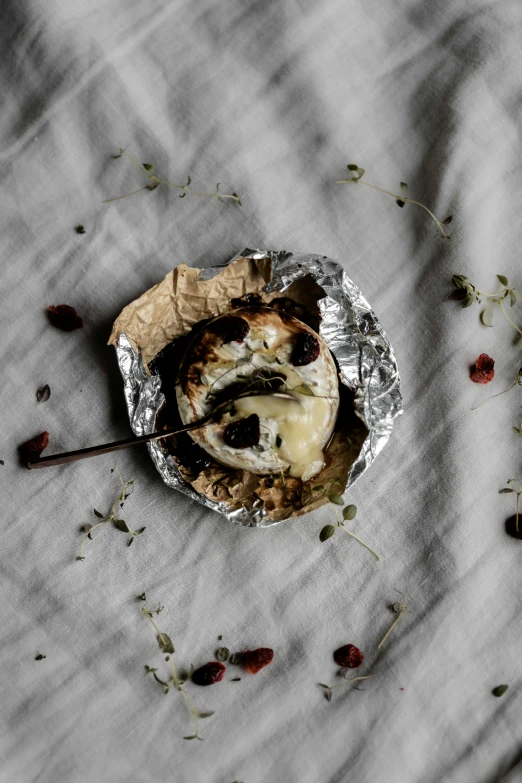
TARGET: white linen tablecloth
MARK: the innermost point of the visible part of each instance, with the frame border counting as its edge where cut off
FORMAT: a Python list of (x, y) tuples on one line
[(272, 100)]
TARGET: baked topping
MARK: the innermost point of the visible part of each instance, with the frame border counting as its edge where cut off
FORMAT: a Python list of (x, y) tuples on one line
[(306, 349), (231, 328), (243, 433)]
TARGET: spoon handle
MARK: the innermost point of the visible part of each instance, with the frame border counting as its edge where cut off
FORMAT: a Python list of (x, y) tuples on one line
[(106, 448)]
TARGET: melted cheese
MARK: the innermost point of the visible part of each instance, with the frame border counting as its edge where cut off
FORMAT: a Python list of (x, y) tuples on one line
[(300, 424)]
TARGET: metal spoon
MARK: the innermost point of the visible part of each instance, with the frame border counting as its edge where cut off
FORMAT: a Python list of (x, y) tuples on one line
[(94, 451)]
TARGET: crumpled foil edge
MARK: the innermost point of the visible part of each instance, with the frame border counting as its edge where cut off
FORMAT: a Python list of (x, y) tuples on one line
[(353, 334)]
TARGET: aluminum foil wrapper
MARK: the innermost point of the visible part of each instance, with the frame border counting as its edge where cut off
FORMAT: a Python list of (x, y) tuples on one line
[(353, 334)]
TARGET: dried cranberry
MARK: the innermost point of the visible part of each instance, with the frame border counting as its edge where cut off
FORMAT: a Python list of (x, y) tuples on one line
[(348, 657), (255, 660), (306, 349), (209, 673), (482, 371), (32, 449), (230, 328), (64, 317), (243, 433)]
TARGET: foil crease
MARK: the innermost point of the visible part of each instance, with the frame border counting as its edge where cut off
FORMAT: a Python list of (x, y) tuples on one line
[(353, 334)]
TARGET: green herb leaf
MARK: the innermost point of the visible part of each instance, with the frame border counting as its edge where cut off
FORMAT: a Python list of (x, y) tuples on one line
[(500, 689), (265, 344), (149, 670), (486, 316), (223, 654), (131, 539), (404, 188), (349, 512), (39, 657), (154, 185), (79, 229), (336, 499), (220, 637), (205, 715), (447, 221), (358, 171), (399, 202), (458, 280), (141, 597), (148, 166), (326, 533), (193, 736), (2, 462), (503, 279), (97, 514), (278, 441), (505, 490), (303, 389), (79, 557), (258, 447), (318, 488), (165, 643), (43, 393), (236, 659), (140, 530), (120, 524)]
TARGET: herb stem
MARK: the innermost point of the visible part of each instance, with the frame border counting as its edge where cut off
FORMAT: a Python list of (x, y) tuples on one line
[(495, 395), (361, 541), (352, 679), (149, 617), (125, 195), (390, 629), (86, 536), (397, 198), (509, 319), (133, 160), (195, 193)]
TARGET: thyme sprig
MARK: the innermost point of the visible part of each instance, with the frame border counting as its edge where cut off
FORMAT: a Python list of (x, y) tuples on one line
[(518, 491), (155, 182), (400, 198), (175, 681), (399, 608), (114, 515), (466, 293), (349, 512)]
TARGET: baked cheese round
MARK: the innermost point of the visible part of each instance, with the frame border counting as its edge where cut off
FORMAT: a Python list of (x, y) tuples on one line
[(288, 423)]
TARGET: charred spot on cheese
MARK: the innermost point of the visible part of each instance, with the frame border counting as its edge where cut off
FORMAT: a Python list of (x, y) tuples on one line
[(231, 328), (243, 433), (287, 305), (247, 300), (306, 350)]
